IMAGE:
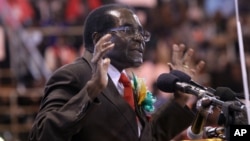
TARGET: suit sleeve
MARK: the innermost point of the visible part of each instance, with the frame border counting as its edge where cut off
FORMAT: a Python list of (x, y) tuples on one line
[(170, 120), (64, 107)]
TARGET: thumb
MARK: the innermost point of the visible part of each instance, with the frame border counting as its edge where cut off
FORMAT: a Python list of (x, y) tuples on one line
[(106, 63), (171, 66)]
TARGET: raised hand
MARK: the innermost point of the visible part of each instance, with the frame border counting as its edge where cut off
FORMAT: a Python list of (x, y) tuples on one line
[(182, 61), (100, 65)]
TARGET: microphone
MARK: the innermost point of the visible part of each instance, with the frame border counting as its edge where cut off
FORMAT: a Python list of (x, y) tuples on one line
[(169, 83), (232, 105), (224, 93), (186, 78), (210, 132)]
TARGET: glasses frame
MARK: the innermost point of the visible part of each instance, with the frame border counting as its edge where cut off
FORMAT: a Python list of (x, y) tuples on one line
[(132, 31)]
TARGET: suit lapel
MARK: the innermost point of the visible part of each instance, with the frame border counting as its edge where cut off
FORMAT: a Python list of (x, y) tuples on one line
[(114, 97), (112, 94)]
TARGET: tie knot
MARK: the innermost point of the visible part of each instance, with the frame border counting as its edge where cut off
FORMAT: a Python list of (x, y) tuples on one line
[(124, 80)]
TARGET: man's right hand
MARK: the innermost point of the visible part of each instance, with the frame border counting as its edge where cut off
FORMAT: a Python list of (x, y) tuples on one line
[(99, 78)]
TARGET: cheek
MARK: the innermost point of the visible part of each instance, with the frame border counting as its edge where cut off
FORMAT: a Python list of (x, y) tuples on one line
[(125, 52), (118, 53), (121, 46)]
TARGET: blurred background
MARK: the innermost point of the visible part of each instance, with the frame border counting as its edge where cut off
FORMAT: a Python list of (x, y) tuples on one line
[(39, 36)]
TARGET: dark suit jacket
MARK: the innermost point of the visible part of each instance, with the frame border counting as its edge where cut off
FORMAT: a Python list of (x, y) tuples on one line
[(68, 114)]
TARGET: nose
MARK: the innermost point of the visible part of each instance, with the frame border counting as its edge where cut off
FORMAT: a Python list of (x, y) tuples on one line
[(138, 37)]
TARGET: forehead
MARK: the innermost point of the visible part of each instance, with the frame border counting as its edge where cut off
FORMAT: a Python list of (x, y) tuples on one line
[(125, 17)]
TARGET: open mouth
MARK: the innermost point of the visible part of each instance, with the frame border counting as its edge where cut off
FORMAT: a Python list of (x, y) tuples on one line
[(137, 48)]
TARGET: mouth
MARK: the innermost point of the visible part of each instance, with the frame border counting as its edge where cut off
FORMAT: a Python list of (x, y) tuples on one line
[(138, 48), (136, 53)]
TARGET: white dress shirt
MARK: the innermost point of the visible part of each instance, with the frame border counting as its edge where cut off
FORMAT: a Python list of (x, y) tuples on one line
[(115, 76)]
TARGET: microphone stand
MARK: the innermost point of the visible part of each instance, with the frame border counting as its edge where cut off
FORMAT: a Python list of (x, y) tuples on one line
[(229, 111), (227, 118), (195, 131)]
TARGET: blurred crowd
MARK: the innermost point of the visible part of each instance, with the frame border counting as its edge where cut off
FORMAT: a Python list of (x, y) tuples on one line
[(207, 26)]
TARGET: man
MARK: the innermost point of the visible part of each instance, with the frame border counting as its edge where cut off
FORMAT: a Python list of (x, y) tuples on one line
[(82, 100)]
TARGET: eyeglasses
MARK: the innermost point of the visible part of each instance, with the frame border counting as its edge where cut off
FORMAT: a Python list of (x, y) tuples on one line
[(132, 31)]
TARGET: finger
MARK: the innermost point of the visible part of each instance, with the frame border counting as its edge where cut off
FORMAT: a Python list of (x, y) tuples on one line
[(197, 69), (104, 70), (103, 42), (101, 71), (192, 72), (182, 47), (105, 38), (200, 66), (106, 63), (177, 55), (187, 59), (100, 54), (171, 66)]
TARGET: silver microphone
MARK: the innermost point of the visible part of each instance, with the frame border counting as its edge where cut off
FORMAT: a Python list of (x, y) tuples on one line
[(210, 132), (195, 131), (188, 88)]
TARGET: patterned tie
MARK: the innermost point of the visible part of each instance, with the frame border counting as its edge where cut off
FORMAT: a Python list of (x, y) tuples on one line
[(128, 90)]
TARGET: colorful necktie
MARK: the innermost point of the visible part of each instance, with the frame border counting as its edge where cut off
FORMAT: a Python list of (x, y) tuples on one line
[(128, 90)]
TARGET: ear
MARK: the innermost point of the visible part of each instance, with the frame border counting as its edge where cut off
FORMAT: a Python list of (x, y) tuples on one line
[(96, 36)]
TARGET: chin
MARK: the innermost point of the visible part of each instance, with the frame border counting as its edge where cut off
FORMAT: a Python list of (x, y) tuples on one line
[(135, 62)]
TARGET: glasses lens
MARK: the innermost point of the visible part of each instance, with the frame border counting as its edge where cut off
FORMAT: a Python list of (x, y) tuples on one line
[(132, 31)]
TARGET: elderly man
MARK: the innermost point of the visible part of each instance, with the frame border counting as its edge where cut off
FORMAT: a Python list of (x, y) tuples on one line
[(84, 100)]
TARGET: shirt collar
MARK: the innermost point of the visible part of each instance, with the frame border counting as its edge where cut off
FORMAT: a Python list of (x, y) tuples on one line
[(114, 74)]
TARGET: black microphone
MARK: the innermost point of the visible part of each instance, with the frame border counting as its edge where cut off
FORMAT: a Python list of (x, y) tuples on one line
[(224, 93), (186, 78), (227, 94), (169, 83)]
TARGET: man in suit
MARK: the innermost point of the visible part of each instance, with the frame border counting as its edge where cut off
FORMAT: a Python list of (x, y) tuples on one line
[(83, 101)]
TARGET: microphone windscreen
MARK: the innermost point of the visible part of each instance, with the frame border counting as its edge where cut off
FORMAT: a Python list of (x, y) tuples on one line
[(225, 94), (166, 82), (181, 75)]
